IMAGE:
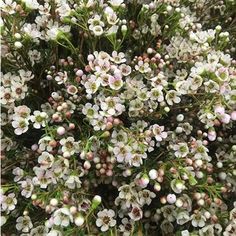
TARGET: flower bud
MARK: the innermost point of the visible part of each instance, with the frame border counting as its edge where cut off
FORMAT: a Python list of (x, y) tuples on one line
[(167, 109), (87, 165), (18, 44), (61, 130), (157, 187), (96, 201), (34, 147), (54, 202), (124, 29), (171, 198), (144, 181), (109, 125), (179, 203), (34, 197), (106, 134), (180, 117), (79, 220), (73, 210), (163, 200), (153, 174), (233, 115), (218, 28), (17, 36)]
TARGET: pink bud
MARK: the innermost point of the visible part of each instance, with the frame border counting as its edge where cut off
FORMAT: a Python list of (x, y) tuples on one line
[(116, 121), (109, 173), (211, 135), (171, 198), (233, 115), (225, 119), (34, 147), (109, 125), (71, 126), (110, 119), (79, 73), (61, 130), (144, 181)]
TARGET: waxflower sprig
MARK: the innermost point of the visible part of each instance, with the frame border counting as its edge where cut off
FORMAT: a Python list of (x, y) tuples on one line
[(118, 117)]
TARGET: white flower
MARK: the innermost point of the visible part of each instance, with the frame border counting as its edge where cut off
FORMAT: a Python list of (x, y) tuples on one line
[(182, 87), (198, 220), (96, 25), (34, 56), (169, 212), (125, 69), (73, 182), (8, 203), (122, 152), (98, 123), (105, 219), (156, 94), (27, 188), (136, 213), (90, 111), (181, 149), (182, 217), (115, 82), (68, 145), (230, 229), (39, 119), (112, 30), (185, 233), (61, 77), (142, 67), (6, 96), (112, 106), (62, 217), (112, 18), (3, 220), (25, 75), (20, 125), (40, 230), (19, 173), (43, 177), (119, 137), (63, 9), (116, 3), (126, 227), (32, 4), (21, 111), (172, 97), (118, 58), (18, 90), (44, 144), (97, 30), (32, 31), (207, 231), (46, 160), (6, 144), (136, 160), (24, 224), (145, 197), (54, 232), (92, 85), (158, 132), (96, 20), (54, 29), (8, 6)]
